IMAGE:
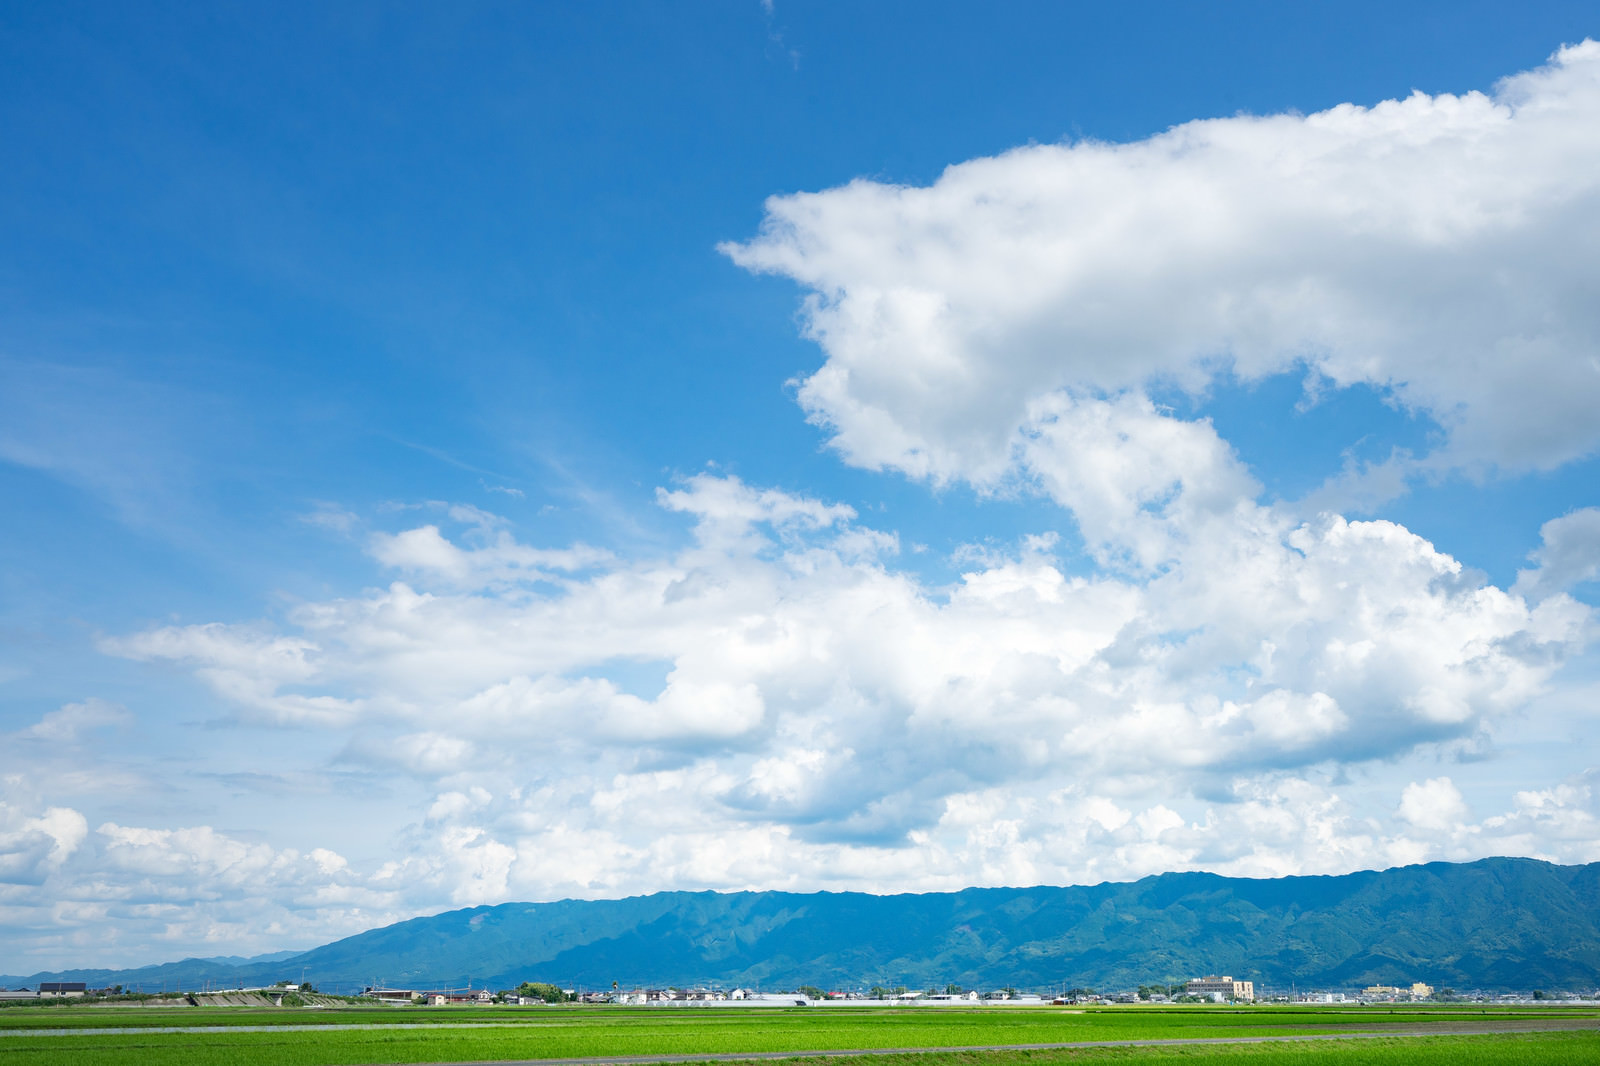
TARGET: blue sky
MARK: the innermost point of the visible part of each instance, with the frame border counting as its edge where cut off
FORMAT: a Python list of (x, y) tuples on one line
[(584, 450)]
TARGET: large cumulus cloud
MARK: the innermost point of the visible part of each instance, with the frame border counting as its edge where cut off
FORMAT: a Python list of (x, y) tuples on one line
[(808, 693), (1439, 248)]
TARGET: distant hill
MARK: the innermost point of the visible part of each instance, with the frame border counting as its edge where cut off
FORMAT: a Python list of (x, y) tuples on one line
[(1495, 923)]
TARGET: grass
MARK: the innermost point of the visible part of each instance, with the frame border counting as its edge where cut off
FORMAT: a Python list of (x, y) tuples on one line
[(415, 1036), (1530, 1049)]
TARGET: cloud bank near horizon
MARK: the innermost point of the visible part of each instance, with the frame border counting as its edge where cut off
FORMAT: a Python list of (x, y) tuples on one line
[(823, 719)]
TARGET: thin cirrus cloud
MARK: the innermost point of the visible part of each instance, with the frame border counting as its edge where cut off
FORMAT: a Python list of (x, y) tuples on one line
[(71, 723)]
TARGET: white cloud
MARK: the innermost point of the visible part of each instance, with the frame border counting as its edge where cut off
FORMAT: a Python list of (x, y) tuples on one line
[(132, 895), (429, 754), (804, 687), (1003, 325), (493, 558), (1434, 805), (331, 517), (32, 848), (1133, 478), (726, 511), (251, 668), (1436, 247), (196, 854), (1568, 555), (505, 490), (69, 723), (1561, 823), (140, 889)]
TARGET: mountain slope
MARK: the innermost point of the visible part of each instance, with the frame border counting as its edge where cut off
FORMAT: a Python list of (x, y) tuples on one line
[(1496, 923)]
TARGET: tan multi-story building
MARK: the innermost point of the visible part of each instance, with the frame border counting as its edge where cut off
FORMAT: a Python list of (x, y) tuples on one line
[(1226, 987), (1421, 991)]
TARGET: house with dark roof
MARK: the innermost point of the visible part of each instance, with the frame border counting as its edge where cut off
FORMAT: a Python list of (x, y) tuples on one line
[(62, 988)]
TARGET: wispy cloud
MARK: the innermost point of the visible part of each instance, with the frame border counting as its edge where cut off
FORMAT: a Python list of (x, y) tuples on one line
[(71, 722), (507, 490)]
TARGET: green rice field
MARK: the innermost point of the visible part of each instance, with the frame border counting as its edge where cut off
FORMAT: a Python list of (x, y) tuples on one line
[(289, 1037)]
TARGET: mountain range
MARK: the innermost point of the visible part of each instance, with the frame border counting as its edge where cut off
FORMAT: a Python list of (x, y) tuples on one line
[(1499, 923)]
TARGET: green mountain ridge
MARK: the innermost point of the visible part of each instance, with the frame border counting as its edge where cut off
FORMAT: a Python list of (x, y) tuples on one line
[(1500, 923)]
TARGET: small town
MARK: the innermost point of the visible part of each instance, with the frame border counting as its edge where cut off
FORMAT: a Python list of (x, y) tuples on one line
[(1208, 989)]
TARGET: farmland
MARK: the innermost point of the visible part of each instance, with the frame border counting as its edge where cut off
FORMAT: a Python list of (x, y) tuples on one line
[(70, 1037)]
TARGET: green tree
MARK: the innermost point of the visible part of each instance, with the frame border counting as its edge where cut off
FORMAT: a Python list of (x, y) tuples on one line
[(953, 990), (541, 990)]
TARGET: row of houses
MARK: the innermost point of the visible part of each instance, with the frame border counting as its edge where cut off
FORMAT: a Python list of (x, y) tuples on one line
[(77, 990), (686, 996), (54, 990), (441, 998), (645, 996)]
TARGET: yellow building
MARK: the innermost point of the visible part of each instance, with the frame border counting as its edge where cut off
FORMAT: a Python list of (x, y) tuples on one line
[(1225, 987)]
